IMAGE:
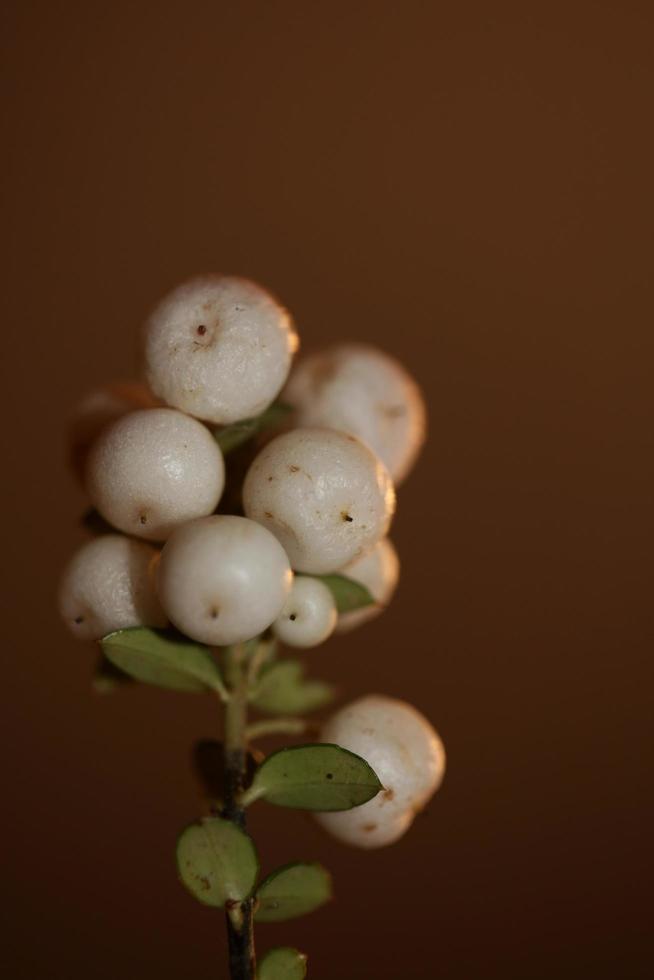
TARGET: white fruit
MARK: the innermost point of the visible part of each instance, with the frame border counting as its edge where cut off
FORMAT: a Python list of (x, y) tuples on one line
[(309, 615), (323, 494), (361, 390), (223, 579), (219, 348), (379, 571), (109, 585), (96, 410), (154, 469), (408, 757)]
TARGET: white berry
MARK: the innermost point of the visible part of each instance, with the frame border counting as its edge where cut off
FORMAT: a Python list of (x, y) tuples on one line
[(323, 494), (219, 348), (152, 470), (408, 757), (109, 585), (223, 579), (309, 615), (379, 571), (96, 410), (361, 390)]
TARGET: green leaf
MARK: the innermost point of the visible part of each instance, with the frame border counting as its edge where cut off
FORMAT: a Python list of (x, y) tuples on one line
[(293, 890), (162, 657), (217, 862), (314, 777), (282, 690), (283, 963), (348, 594), (108, 678), (230, 437)]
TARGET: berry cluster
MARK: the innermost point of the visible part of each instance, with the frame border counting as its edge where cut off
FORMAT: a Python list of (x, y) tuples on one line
[(239, 508)]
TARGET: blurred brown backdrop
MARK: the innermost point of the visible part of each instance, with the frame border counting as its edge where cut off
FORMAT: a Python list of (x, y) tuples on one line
[(469, 186)]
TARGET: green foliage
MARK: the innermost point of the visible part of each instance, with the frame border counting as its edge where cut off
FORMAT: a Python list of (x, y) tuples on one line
[(217, 862), (230, 437), (282, 690), (314, 777), (293, 890), (108, 678), (348, 594), (162, 657), (283, 963)]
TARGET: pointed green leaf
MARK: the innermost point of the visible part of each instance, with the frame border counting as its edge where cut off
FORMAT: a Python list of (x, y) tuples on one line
[(217, 862), (230, 437), (348, 594), (282, 690), (108, 678), (163, 658), (293, 890), (314, 777), (283, 963)]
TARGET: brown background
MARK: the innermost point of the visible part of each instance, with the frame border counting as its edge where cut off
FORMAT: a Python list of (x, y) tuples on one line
[(470, 186)]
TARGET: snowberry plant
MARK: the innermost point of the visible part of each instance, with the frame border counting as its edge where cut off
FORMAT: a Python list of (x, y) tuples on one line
[(235, 511)]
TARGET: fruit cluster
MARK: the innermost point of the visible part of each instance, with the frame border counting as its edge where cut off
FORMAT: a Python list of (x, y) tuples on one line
[(241, 505)]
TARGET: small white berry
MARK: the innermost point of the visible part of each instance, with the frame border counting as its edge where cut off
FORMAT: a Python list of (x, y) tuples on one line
[(323, 494), (309, 615), (109, 585), (379, 571), (96, 410), (361, 390), (223, 579), (154, 469), (408, 757), (219, 348)]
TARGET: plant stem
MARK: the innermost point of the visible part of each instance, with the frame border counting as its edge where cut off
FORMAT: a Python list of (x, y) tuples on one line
[(240, 933)]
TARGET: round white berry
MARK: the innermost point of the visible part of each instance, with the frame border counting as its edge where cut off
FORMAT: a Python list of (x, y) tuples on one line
[(408, 757), (109, 585), (154, 469), (323, 494), (309, 615), (219, 348), (361, 390), (379, 571), (96, 410), (223, 579)]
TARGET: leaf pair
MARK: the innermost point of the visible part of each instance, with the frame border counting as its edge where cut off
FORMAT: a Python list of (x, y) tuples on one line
[(218, 864)]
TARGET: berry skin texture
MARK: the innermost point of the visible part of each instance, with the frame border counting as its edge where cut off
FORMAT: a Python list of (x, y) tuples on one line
[(154, 469), (407, 755), (109, 585), (323, 494), (309, 615), (219, 348), (223, 579), (361, 390), (379, 571), (96, 410)]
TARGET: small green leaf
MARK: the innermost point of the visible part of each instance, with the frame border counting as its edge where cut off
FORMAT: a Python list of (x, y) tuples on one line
[(163, 658), (217, 862), (314, 777), (293, 890), (108, 678), (348, 594), (230, 437), (282, 690), (283, 963)]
